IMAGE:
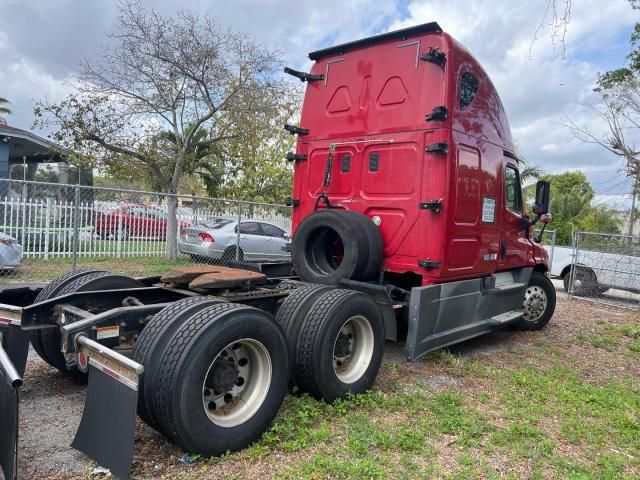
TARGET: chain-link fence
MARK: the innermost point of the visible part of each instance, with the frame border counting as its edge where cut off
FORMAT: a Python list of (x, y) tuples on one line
[(604, 268), (47, 229)]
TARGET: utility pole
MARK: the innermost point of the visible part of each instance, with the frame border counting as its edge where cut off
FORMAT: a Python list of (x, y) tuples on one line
[(633, 205)]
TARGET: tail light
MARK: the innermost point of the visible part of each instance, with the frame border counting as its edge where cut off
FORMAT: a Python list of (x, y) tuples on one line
[(205, 237)]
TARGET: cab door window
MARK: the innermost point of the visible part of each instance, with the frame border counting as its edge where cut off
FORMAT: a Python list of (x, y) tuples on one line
[(513, 196)]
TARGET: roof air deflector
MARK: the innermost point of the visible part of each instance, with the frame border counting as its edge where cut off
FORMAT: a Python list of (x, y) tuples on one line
[(398, 34)]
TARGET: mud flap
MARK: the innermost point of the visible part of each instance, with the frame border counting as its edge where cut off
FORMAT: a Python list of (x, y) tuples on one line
[(16, 344), (10, 382), (107, 428), (14, 340)]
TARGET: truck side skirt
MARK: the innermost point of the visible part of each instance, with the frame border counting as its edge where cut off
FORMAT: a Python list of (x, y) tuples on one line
[(444, 314)]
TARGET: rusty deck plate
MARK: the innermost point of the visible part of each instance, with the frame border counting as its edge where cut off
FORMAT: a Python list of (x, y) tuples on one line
[(185, 275), (228, 278)]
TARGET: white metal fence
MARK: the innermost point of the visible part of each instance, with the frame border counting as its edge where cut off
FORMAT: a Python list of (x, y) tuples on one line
[(58, 227), (47, 229)]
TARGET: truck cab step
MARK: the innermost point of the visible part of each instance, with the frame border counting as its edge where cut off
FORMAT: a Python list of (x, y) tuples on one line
[(509, 287), (505, 318)]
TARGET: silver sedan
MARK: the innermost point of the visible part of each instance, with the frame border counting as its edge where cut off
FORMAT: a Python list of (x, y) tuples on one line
[(10, 252), (217, 239)]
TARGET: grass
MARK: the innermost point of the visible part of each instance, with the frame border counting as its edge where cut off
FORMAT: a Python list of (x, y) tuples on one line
[(401, 434), (539, 415), (39, 269), (593, 418)]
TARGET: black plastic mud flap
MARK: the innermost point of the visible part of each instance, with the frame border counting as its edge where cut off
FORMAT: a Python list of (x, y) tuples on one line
[(10, 382), (14, 340), (16, 344), (107, 428)]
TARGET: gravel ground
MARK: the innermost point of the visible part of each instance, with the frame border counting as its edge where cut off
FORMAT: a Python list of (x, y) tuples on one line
[(52, 405)]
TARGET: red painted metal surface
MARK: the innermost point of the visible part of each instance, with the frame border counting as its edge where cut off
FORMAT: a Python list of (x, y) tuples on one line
[(371, 105)]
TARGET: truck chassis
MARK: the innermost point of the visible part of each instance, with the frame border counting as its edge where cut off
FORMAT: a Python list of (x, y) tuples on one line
[(103, 332)]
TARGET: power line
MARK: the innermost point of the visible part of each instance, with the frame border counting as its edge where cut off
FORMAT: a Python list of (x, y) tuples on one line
[(607, 181), (617, 185)]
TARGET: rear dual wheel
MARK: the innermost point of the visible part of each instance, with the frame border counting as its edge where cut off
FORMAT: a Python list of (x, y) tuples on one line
[(50, 291), (292, 313), (152, 342), (224, 373), (216, 373), (340, 345), (48, 341)]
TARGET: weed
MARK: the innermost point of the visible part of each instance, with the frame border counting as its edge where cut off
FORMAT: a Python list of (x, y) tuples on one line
[(606, 341)]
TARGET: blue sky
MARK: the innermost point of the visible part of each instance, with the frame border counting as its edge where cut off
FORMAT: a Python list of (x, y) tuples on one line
[(41, 43)]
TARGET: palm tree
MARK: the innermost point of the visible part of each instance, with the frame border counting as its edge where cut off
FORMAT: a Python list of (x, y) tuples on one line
[(4, 110), (529, 172)]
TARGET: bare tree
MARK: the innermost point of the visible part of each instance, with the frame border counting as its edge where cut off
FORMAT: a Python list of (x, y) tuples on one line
[(180, 74), (620, 110), (556, 19)]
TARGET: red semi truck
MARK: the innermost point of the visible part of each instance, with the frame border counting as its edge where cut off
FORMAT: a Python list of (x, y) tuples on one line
[(408, 223)]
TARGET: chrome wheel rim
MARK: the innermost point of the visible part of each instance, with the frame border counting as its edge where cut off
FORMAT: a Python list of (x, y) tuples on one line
[(237, 383), (535, 303), (353, 349)]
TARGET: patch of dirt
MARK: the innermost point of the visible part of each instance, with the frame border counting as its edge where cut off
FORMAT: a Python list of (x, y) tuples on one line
[(50, 410)]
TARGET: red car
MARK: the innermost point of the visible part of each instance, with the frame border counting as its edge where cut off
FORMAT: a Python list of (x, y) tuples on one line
[(131, 220)]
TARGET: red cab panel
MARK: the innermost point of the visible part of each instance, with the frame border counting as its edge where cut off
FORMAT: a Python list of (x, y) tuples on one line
[(408, 129)]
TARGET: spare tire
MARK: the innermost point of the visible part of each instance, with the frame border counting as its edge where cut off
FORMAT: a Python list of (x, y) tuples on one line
[(375, 244), (332, 245)]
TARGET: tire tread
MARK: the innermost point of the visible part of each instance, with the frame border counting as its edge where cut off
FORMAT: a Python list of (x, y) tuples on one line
[(172, 359), (308, 336), (51, 350), (47, 292), (291, 315), (146, 351)]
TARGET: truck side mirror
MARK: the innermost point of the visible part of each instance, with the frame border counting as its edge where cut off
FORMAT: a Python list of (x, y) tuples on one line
[(543, 189)]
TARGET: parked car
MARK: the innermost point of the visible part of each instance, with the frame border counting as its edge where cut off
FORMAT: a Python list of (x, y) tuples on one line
[(217, 239), (596, 272), (130, 220), (10, 252)]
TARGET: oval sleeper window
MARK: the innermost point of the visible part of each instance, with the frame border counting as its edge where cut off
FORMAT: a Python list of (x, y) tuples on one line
[(468, 89)]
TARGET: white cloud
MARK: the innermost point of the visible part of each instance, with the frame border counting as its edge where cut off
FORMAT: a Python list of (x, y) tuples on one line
[(538, 87)]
